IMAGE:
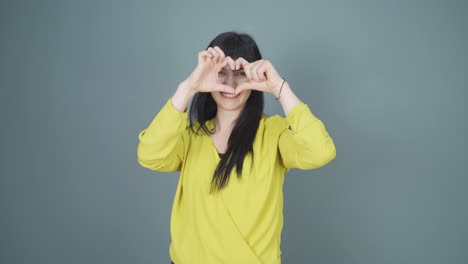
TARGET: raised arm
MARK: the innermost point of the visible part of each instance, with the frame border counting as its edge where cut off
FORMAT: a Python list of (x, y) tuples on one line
[(162, 144), (305, 143)]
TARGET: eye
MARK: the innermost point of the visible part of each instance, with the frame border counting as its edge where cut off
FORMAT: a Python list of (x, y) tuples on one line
[(221, 73)]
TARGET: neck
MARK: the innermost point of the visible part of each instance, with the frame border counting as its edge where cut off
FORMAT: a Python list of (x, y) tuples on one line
[(224, 120)]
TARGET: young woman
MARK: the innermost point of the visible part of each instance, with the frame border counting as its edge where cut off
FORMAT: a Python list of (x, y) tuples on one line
[(232, 158)]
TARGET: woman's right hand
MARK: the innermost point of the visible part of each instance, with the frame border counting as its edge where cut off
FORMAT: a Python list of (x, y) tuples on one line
[(205, 76)]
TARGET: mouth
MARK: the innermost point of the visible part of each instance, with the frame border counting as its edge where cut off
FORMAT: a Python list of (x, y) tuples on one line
[(229, 96)]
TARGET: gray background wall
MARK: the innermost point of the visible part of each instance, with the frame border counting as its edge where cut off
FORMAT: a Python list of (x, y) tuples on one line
[(80, 79)]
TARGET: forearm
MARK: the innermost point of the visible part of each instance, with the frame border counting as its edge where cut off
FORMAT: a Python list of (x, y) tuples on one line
[(287, 97), (182, 97)]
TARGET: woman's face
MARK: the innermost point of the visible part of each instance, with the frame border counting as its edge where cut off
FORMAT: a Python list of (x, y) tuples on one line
[(231, 78)]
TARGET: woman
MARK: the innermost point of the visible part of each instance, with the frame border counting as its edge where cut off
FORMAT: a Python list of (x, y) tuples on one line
[(232, 158)]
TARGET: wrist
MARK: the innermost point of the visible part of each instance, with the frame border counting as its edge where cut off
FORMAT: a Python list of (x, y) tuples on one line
[(185, 88), (181, 97), (279, 88)]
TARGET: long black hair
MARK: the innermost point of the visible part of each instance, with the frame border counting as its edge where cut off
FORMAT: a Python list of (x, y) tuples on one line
[(204, 108)]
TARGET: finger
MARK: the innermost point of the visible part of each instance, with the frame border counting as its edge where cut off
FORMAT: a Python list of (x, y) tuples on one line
[(262, 71), (231, 62), (241, 63), (239, 89), (242, 87), (220, 51), (248, 72), (252, 85), (251, 71), (254, 71), (204, 54), (215, 54), (224, 88), (223, 63)]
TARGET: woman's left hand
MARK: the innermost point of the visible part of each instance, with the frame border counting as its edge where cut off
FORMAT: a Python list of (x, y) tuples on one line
[(261, 74)]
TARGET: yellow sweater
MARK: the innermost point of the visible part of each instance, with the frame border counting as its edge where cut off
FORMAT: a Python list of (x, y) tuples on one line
[(243, 224)]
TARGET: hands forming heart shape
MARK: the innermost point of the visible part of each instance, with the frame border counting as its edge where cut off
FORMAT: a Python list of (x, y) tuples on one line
[(261, 74)]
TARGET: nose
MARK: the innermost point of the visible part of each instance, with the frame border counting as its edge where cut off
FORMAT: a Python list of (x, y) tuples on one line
[(231, 80)]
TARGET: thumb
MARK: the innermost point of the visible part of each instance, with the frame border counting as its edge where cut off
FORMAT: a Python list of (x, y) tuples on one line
[(224, 88), (241, 87), (251, 85)]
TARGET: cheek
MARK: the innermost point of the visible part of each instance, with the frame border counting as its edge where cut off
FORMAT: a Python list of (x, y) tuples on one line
[(215, 96), (247, 94)]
